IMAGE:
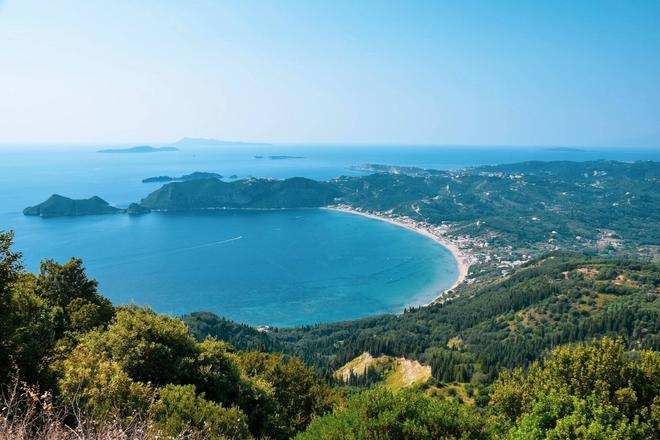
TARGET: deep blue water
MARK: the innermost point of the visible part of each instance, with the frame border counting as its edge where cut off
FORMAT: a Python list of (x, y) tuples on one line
[(278, 268)]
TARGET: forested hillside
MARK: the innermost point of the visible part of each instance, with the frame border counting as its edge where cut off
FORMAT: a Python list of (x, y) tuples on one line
[(508, 322), (523, 204), (74, 366)]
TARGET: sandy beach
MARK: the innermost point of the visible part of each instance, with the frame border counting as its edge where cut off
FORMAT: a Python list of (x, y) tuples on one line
[(462, 259)]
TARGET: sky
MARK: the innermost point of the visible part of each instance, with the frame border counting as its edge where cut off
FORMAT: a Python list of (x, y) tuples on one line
[(507, 72)]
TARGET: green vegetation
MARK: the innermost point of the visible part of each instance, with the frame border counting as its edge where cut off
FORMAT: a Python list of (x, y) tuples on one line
[(592, 391), (382, 414), (506, 352), (595, 391), (197, 175), (505, 323), (59, 206), (521, 204), (296, 192)]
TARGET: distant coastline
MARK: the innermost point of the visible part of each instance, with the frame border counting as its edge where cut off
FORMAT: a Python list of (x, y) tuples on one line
[(463, 259)]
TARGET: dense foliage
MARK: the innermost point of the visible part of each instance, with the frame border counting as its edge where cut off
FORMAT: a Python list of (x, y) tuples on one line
[(381, 414), (587, 391), (521, 203), (592, 391), (296, 192), (501, 345)]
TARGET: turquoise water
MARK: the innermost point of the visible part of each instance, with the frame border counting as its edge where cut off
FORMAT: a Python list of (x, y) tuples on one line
[(279, 268)]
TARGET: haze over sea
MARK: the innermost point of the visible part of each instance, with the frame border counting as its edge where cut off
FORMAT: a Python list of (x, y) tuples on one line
[(280, 268)]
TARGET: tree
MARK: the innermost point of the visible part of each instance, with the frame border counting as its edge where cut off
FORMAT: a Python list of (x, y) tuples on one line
[(30, 333), (179, 410), (216, 372), (66, 286), (100, 387), (297, 394), (590, 391), (10, 268), (149, 347), (408, 414)]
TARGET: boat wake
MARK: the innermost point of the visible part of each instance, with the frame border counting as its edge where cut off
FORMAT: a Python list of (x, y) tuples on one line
[(165, 252), (215, 243)]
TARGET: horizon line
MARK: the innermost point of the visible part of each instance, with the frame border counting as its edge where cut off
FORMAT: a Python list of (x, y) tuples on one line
[(234, 143)]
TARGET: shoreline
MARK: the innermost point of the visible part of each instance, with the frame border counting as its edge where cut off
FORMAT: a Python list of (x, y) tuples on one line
[(463, 260)]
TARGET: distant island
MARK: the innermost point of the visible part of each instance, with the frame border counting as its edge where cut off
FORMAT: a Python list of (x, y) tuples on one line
[(60, 206), (138, 150), (192, 176), (565, 150), (279, 157)]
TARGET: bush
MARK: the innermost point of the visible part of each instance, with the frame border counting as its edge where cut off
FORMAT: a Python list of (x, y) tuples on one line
[(180, 411), (381, 414), (583, 390), (101, 387)]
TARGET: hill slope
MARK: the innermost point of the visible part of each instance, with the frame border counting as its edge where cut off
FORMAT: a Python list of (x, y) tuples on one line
[(507, 322), (60, 206), (296, 192)]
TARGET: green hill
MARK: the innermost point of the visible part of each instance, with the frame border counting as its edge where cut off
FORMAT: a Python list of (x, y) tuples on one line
[(60, 206), (296, 192), (196, 175), (521, 204)]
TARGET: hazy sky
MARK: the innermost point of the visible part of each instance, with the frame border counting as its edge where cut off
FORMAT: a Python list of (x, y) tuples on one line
[(450, 72)]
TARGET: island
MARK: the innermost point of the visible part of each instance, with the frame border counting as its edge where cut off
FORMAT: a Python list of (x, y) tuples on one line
[(60, 206), (138, 150), (233, 176), (137, 209), (296, 192), (192, 176)]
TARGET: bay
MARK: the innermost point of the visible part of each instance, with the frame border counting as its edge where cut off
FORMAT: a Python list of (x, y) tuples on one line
[(279, 268)]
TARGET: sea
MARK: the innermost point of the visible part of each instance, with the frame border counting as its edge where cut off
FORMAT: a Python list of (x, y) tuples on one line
[(277, 268)]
